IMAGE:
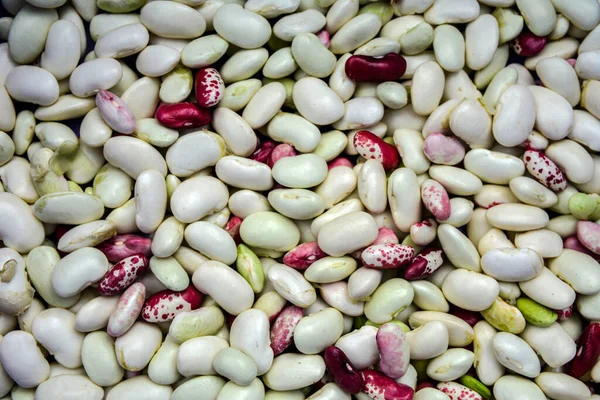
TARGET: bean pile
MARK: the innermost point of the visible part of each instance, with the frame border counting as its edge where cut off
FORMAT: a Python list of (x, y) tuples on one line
[(299, 199)]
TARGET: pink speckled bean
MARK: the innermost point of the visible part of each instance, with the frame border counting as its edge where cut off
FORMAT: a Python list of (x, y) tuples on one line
[(424, 264), (588, 234), (342, 370), (263, 153), (122, 246), (115, 112), (386, 236), (424, 232), (387, 255), (280, 151), (282, 331), (442, 149), (574, 244), (339, 162), (122, 274), (209, 87), (565, 313), (394, 350), (545, 170), (380, 387), (165, 305), (456, 391), (233, 228), (302, 256), (324, 38), (370, 146), (436, 199), (127, 310)]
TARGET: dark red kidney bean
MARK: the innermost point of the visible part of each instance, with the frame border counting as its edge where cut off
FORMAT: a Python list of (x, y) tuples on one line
[(375, 69), (588, 351), (527, 44), (182, 115), (263, 153), (470, 317), (342, 370)]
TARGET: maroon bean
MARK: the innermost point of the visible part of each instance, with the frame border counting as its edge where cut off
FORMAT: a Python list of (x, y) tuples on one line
[(233, 228), (339, 162), (588, 351), (263, 153), (574, 244), (122, 246), (470, 317), (342, 370), (375, 69), (182, 115), (544, 170), (370, 146), (209, 87), (122, 274), (527, 44), (380, 387)]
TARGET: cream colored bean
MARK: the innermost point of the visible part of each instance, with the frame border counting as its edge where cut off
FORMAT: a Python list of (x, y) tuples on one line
[(360, 113), (211, 241), (459, 332), (336, 239), (202, 387), (140, 387), (523, 264), (294, 371), (388, 300), (243, 173), (316, 332), (270, 231), (360, 346), (118, 150), (299, 204), (250, 334), (444, 12), (404, 198), (532, 192), (62, 49), (32, 368), (450, 365), (86, 235), (16, 178), (212, 277), (228, 22), (122, 41), (546, 243), (354, 33), (55, 330), (95, 313), (462, 212), (515, 354), (372, 186), (494, 239), (457, 247), (195, 356), (573, 159), (337, 296), (563, 48), (137, 346), (28, 32), (294, 130), (558, 385), (543, 341), (429, 297), (235, 365), (69, 277), (363, 282), (99, 359), (584, 128), (20, 85), (479, 51), (243, 64), (481, 293), (291, 285), (548, 290), (339, 81), (428, 341), (449, 48), (245, 202), (516, 217), (510, 386), (339, 183), (585, 279), (488, 368)]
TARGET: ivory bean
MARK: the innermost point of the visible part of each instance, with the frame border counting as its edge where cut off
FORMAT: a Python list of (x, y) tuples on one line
[(141, 387), (228, 22), (450, 365), (294, 371), (515, 354), (29, 31), (481, 293), (423, 346), (543, 340), (586, 280), (548, 290), (32, 369), (510, 386), (70, 278), (309, 336), (19, 84)]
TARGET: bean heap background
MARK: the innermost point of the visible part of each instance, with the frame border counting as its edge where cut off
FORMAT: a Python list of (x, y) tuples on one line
[(290, 199)]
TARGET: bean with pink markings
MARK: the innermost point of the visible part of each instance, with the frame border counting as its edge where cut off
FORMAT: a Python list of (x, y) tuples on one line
[(424, 264), (122, 246), (324, 38), (165, 305), (442, 149), (233, 228), (339, 162), (263, 152), (115, 112), (565, 313), (387, 255), (303, 256), (342, 370), (544, 170), (588, 234), (386, 236), (127, 310), (394, 350), (470, 317), (280, 151), (182, 115), (380, 387), (436, 199), (361, 68), (370, 146), (574, 244), (122, 274), (456, 391), (209, 87), (424, 232), (282, 331)]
